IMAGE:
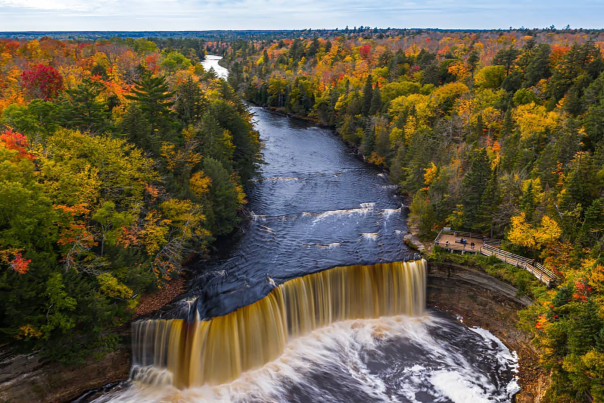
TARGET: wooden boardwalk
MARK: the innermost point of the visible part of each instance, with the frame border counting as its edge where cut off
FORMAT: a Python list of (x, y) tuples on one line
[(536, 269), (449, 240)]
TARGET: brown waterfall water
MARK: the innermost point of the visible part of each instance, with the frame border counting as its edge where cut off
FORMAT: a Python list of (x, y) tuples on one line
[(218, 350)]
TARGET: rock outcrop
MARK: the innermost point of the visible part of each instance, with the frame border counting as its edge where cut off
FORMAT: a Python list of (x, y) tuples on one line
[(481, 300), (26, 378)]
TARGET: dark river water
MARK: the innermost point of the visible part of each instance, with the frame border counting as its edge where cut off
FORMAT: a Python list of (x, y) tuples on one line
[(317, 206), (314, 206)]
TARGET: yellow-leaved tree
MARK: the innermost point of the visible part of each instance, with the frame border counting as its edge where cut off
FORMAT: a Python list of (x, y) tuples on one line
[(533, 119), (531, 236)]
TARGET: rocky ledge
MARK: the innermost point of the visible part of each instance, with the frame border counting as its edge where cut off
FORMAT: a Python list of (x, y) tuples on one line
[(26, 378), (481, 300)]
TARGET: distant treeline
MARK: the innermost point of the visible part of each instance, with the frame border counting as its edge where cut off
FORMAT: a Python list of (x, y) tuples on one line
[(230, 36)]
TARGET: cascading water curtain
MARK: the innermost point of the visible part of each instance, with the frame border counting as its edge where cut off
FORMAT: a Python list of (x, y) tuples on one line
[(218, 350)]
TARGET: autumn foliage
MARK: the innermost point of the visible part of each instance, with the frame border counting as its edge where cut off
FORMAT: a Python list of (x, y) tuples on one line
[(16, 142), (114, 157), (42, 82), (19, 264)]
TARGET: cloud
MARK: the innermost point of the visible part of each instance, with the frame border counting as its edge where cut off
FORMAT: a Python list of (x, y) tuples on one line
[(48, 4), (289, 14)]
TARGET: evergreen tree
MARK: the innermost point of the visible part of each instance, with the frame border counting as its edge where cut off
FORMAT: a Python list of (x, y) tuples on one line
[(507, 58), (476, 132), (368, 141), (475, 183), (376, 101), (490, 201), (508, 123), (572, 102), (431, 75), (581, 184), (425, 58), (528, 202), (600, 341), (190, 102), (593, 224), (418, 157), (473, 60), (382, 143), (568, 143), (223, 195), (155, 101), (81, 108), (216, 142), (539, 66), (135, 126), (244, 138), (99, 70), (547, 165), (585, 328), (367, 96), (513, 81), (397, 170)]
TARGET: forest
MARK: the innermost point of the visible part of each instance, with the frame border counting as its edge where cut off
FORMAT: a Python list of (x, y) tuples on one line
[(499, 133), (119, 161)]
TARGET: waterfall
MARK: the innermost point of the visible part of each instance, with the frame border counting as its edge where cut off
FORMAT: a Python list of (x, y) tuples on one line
[(218, 350)]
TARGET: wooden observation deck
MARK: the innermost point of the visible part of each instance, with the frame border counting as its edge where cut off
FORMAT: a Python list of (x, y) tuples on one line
[(458, 241)]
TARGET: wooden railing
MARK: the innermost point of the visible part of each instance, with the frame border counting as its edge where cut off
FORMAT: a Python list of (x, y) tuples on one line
[(491, 247), (538, 270)]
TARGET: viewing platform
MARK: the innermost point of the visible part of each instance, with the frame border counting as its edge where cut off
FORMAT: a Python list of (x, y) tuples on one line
[(459, 241), (467, 242)]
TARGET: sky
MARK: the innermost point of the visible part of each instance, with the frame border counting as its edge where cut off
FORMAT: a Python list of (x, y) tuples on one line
[(198, 15)]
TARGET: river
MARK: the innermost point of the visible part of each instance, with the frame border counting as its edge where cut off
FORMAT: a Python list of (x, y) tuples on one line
[(211, 62), (316, 206)]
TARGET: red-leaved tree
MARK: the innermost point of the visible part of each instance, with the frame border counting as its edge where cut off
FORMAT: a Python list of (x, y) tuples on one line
[(42, 81), (19, 264), (365, 51), (17, 142)]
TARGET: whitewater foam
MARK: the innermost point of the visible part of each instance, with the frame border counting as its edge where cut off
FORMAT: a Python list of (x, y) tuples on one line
[(456, 387), (358, 355), (364, 209)]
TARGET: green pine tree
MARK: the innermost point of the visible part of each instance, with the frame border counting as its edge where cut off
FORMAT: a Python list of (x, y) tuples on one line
[(376, 101), (155, 101), (223, 196), (367, 96), (475, 183), (82, 110), (190, 102), (135, 126), (491, 199), (584, 329), (368, 141)]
